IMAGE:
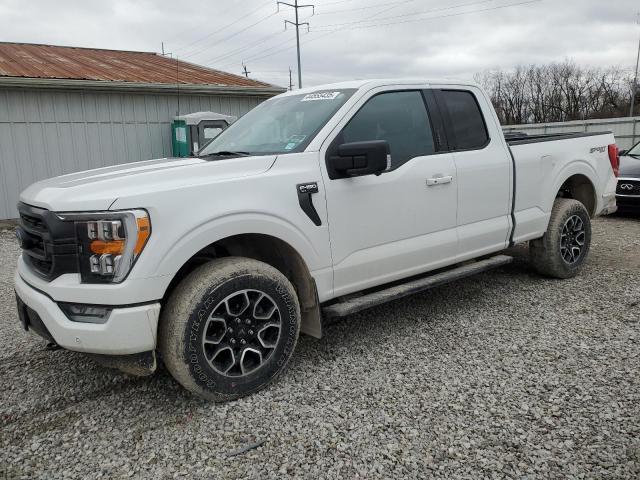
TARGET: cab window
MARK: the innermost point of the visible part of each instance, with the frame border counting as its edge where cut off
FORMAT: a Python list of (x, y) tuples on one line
[(467, 122), (400, 118)]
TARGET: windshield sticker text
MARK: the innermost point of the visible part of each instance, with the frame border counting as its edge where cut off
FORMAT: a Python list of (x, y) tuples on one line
[(320, 96)]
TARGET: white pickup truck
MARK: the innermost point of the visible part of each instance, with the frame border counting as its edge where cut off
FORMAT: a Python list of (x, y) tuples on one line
[(318, 203)]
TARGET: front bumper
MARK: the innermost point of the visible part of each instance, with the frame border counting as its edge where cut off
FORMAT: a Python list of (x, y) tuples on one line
[(628, 203), (127, 330)]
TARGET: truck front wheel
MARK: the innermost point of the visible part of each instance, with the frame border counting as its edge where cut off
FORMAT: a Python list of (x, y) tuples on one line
[(563, 249), (229, 328)]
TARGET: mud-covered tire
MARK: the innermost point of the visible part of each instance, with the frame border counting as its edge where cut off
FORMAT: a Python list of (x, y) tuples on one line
[(548, 255), (222, 284)]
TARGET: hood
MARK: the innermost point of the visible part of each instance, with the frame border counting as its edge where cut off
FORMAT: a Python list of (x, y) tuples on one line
[(98, 189), (629, 167)]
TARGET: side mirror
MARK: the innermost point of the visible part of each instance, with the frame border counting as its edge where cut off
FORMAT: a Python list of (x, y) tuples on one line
[(622, 153), (359, 158)]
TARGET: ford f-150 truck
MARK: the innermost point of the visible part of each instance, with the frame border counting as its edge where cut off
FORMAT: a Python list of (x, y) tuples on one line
[(316, 204)]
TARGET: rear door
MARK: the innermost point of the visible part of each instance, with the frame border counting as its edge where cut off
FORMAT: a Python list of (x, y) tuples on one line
[(403, 221), (484, 170)]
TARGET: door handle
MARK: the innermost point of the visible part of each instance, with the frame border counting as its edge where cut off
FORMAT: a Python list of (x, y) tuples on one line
[(439, 180)]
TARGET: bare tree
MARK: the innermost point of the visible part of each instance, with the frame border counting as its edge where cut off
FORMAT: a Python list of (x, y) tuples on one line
[(557, 92)]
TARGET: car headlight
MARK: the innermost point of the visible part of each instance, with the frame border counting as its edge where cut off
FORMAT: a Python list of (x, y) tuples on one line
[(109, 243)]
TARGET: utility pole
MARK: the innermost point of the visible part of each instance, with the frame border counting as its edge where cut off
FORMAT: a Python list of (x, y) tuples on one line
[(297, 24), (290, 80), (244, 70), (635, 79), (165, 54)]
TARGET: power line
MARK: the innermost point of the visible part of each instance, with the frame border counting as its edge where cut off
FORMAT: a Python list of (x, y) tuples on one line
[(336, 2), (224, 39), (391, 7), (246, 46), (270, 71), (275, 49), (429, 18), (412, 14), (221, 29), (353, 9), (260, 55), (191, 28), (329, 32)]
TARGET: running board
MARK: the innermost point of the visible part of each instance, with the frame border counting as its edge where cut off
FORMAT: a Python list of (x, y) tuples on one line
[(369, 300)]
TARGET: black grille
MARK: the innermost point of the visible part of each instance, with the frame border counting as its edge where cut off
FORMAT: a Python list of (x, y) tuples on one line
[(33, 222), (628, 187), (48, 243), (42, 266)]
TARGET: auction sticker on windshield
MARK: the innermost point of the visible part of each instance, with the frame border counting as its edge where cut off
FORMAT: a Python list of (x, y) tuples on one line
[(293, 141), (310, 97)]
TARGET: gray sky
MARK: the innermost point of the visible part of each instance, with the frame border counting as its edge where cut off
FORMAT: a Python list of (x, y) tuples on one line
[(348, 38)]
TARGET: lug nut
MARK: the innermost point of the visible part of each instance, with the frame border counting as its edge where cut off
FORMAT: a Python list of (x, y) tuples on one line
[(243, 341), (233, 341), (250, 332), (230, 330), (247, 321), (237, 320)]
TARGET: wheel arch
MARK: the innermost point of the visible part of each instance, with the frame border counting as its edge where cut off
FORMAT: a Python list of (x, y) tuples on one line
[(580, 187), (273, 251), (577, 180)]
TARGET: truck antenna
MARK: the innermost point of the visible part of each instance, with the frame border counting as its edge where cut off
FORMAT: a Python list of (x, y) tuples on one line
[(178, 82)]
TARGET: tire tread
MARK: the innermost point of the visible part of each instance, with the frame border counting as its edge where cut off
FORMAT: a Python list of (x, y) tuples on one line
[(180, 305), (544, 253)]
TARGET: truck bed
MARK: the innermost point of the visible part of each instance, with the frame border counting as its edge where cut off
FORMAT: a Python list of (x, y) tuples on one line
[(521, 138), (541, 166)]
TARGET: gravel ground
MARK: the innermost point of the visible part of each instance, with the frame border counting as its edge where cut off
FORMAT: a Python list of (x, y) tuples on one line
[(502, 375)]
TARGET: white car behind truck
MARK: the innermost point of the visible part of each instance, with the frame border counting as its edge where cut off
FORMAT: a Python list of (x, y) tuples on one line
[(318, 203)]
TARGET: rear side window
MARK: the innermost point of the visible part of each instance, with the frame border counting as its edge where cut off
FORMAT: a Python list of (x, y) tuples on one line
[(400, 118), (466, 117)]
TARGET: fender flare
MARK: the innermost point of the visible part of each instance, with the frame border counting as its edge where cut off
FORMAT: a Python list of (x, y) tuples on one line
[(227, 226)]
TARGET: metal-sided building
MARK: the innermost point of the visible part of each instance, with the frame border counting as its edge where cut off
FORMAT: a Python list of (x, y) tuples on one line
[(65, 109)]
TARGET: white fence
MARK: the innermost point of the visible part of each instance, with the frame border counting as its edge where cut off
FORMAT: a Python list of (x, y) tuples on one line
[(626, 130)]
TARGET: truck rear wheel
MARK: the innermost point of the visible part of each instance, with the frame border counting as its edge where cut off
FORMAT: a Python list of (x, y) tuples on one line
[(563, 249), (229, 328)]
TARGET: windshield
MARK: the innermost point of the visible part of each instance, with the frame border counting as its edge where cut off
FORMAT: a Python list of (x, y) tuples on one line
[(283, 124), (635, 150)]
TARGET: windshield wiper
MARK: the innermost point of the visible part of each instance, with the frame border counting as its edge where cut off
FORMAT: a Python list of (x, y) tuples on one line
[(224, 153)]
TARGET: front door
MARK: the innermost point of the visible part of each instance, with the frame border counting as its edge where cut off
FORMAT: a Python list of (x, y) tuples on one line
[(403, 221), (484, 172)]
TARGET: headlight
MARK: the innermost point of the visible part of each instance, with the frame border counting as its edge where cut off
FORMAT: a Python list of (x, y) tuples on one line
[(109, 243)]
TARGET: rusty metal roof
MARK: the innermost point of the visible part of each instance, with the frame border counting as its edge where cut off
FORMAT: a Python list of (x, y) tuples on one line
[(74, 63)]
